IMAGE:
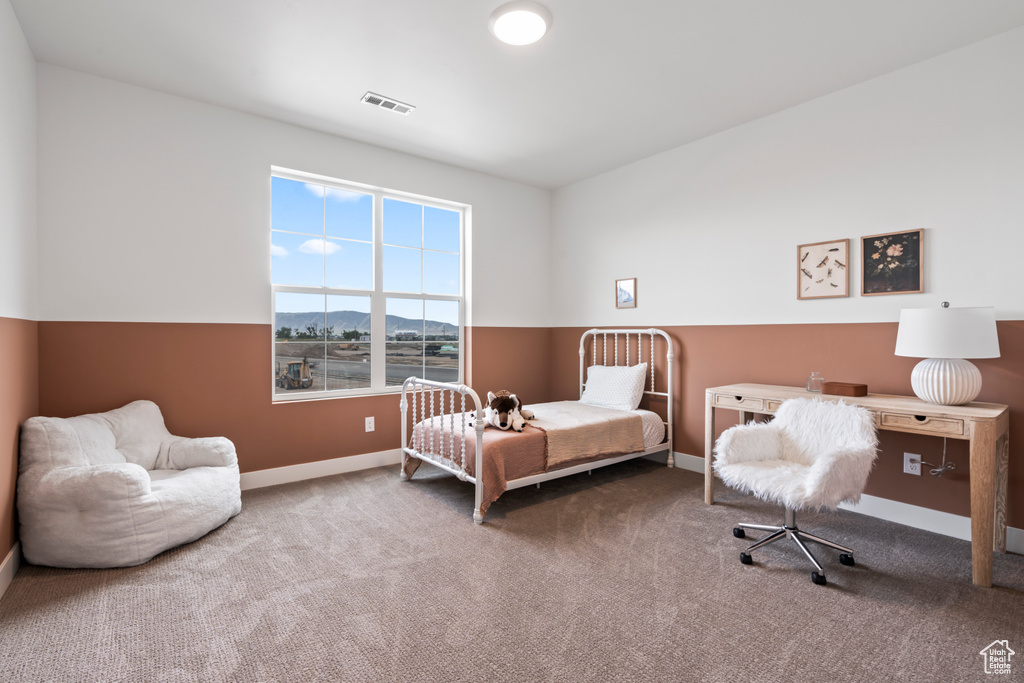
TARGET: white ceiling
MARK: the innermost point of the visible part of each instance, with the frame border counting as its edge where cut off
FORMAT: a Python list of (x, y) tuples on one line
[(611, 83)]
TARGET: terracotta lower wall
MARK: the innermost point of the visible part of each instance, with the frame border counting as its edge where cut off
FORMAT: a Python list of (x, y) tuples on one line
[(710, 356), (211, 379), (208, 379), (19, 400)]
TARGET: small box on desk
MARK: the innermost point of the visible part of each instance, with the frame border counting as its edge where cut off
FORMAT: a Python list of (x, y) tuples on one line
[(844, 389)]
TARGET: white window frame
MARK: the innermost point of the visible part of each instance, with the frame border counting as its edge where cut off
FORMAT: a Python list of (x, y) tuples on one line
[(378, 296)]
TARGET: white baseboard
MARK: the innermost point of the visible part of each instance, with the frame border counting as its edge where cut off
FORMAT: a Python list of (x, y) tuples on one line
[(689, 462), (10, 567), (915, 516), (321, 468)]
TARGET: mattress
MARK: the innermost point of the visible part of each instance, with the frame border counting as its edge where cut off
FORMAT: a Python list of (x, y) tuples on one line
[(653, 426), (510, 455)]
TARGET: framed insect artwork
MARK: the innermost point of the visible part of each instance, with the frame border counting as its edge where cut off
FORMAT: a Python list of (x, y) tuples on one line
[(823, 270), (892, 263)]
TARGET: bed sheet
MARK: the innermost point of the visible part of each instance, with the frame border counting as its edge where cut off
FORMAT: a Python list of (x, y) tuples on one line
[(511, 455)]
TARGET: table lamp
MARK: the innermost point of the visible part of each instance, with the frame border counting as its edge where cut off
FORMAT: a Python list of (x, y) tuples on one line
[(944, 337)]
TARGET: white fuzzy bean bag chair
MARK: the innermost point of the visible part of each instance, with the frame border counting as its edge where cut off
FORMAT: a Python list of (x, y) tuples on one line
[(114, 489), (814, 454)]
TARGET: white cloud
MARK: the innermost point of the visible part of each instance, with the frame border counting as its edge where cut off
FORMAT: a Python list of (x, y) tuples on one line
[(334, 193), (278, 251), (319, 247)]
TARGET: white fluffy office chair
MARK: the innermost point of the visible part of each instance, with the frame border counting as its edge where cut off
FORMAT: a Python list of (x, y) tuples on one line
[(814, 454)]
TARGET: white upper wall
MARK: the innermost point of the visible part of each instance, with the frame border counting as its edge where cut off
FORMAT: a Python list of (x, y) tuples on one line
[(18, 253), (155, 208), (710, 229)]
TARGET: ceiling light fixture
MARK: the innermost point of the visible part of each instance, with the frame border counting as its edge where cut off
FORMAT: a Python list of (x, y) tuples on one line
[(520, 22)]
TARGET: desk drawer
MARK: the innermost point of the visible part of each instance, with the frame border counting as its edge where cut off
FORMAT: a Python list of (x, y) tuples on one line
[(739, 402), (922, 424)]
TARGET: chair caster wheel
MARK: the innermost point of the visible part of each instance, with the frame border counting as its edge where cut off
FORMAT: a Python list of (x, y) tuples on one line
[(847, 559), (818, 578), (739, 533), (745, 558)]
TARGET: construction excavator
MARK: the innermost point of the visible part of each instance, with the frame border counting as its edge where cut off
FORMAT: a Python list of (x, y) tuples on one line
[(295, 376)]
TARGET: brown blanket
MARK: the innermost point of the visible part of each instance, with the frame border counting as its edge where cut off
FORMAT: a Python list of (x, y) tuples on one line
[(507, 455), (564, 433)]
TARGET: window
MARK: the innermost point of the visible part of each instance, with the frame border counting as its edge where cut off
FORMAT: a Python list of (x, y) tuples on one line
[(367, 287)]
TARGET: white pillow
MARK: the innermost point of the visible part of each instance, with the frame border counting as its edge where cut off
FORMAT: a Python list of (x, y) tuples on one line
[(615, 386)]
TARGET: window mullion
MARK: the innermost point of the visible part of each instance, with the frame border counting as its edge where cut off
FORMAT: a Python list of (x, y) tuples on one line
[(378, 312)]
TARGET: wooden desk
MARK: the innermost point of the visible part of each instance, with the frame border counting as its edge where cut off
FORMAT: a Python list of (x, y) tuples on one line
[(985, 425)]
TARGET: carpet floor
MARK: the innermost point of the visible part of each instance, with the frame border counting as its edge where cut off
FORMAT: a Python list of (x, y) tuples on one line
[(624, 575)]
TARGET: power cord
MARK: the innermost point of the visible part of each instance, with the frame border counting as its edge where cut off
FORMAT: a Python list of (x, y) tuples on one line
[(938, 471)]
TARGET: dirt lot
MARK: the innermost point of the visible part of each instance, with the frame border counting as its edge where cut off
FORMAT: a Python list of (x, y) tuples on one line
[(347, 365)]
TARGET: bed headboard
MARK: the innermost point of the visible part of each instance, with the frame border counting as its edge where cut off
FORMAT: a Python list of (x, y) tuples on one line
[(630, 347)]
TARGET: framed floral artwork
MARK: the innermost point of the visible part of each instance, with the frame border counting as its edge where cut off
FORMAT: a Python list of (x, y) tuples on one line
[(625, 293), (892, 263), (822, 270)]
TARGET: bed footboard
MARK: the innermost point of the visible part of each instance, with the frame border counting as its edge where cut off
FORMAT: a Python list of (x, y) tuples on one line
[(430, 443)]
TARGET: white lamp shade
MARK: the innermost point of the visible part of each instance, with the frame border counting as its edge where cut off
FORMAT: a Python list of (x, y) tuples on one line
[(948, 333)]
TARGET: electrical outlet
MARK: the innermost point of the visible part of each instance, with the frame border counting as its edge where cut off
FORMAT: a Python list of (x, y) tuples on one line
[(369, 424), (911, 464)]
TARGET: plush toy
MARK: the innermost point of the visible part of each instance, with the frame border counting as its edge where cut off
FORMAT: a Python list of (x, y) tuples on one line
[(505, 411)]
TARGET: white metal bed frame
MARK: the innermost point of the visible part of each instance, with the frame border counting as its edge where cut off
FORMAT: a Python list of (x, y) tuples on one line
[(435, 452)]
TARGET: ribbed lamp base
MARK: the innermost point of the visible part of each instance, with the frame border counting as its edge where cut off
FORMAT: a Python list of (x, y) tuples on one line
[(946, 381)]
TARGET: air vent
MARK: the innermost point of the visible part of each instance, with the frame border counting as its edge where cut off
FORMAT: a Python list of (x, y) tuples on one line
[(387, 103)]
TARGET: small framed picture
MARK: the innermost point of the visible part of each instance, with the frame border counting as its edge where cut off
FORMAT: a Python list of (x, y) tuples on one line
[(625, 293), (892, 263), (822, 270)]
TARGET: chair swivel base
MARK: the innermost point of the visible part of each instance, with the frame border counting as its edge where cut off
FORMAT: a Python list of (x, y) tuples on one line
[(790, 530)]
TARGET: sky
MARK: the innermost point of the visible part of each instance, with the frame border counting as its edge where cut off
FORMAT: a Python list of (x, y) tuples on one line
[(324, 236)]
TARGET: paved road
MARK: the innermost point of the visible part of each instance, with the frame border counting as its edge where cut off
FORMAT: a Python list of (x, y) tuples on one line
[(396, 373)]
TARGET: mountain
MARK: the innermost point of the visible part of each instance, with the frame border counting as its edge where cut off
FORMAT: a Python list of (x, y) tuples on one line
[(343, 321)]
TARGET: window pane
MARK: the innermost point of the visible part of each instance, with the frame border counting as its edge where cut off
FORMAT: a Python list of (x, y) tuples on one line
[(298, 367), (348, 342), (403, 223), (404, 319), (296, 206), (299, 317), (442, 361), (348, 318), (441, 320), (404, 359), (349, 265), (440, 229), (440, 273), (441, 340), (404, 325), (296, 259), (402, 270), (349, 214), (348, 365)]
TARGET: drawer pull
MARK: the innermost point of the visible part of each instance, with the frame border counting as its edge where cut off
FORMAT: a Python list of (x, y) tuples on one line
[(737, 401), (921, 418)]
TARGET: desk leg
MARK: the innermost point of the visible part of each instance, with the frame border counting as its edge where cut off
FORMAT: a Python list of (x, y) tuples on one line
[(983, 499), (709, 447), (1002, 473)]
